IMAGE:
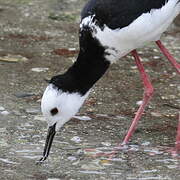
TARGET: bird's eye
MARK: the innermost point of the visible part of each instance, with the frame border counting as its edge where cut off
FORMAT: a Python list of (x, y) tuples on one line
[(54, 111)]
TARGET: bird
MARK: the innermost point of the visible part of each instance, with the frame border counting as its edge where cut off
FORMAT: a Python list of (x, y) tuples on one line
[(108, 30)]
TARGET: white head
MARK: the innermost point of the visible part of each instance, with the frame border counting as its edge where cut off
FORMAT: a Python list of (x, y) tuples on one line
[(59, 107)]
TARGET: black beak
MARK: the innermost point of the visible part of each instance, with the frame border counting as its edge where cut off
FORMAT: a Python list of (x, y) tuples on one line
[(49, 140)]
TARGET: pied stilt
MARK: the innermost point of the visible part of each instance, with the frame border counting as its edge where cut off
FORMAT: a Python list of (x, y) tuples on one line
[(109, 30)]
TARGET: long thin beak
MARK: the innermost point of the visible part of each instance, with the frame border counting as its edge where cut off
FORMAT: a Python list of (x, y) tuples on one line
[(49, 140)]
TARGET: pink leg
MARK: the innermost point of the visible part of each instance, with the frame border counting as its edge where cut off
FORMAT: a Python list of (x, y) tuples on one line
[(168, 55), (148, 92), (178, 136), (171, 59), (176, 150)]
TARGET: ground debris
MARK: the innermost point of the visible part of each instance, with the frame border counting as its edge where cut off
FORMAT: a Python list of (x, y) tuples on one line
[(39, 69), (66, 52), (13, 58), (24, 94)]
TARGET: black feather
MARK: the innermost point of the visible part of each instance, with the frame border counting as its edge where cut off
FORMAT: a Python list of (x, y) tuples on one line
[(119, 13)]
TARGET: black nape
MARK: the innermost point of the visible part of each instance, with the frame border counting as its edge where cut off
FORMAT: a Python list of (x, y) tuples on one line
[(54, 111)]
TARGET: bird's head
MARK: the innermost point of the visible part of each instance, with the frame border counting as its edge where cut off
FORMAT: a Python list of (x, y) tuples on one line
[(58, 107)]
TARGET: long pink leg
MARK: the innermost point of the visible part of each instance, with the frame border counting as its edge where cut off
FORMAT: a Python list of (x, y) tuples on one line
[(177, 147), (168, 55), (176, 150), (177, 66), (148, 92)]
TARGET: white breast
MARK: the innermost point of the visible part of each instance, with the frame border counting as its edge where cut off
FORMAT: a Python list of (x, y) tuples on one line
[(148, 27)]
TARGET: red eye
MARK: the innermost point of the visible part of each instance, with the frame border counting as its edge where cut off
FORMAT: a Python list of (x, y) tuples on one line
[(54, 111)]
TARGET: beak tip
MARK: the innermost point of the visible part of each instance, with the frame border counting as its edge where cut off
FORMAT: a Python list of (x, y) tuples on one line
[(41, 160), (49, 140)]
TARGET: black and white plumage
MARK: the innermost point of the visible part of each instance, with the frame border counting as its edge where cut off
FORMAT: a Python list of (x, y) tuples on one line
[(109, 30)]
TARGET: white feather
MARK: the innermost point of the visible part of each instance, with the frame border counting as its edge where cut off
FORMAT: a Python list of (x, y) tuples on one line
[(68, 105), (148, 27)]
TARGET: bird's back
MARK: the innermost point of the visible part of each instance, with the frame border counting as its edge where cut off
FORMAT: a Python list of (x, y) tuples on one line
[(120, 13), (123, 25)]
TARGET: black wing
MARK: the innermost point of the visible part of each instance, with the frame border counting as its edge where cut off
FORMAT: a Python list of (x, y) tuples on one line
[(119, 13)]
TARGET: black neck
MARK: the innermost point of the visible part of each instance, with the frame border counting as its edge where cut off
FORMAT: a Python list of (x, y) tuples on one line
[(88, 68)]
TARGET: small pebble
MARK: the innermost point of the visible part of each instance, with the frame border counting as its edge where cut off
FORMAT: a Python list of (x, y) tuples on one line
[(148, 171), (139, 103), (156, 57), (172, 166), (76, 139), (32, 111), (134, 148), (72, 49), (106, 144), (80, 152), (156, 114), (5, 113), (121, 117), (72, 158), (23, 95), (39, 69), (102, 115), (105, 162), (13, 58), (145, 143), (133, 67), (84, 118), (155, 50), (39, 118), (2, 108)]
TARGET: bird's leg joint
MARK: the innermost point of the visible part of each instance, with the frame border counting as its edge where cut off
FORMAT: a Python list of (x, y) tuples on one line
[(148, 92)]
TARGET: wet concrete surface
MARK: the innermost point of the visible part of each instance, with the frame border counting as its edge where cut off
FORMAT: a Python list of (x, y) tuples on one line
[(38, 39)]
